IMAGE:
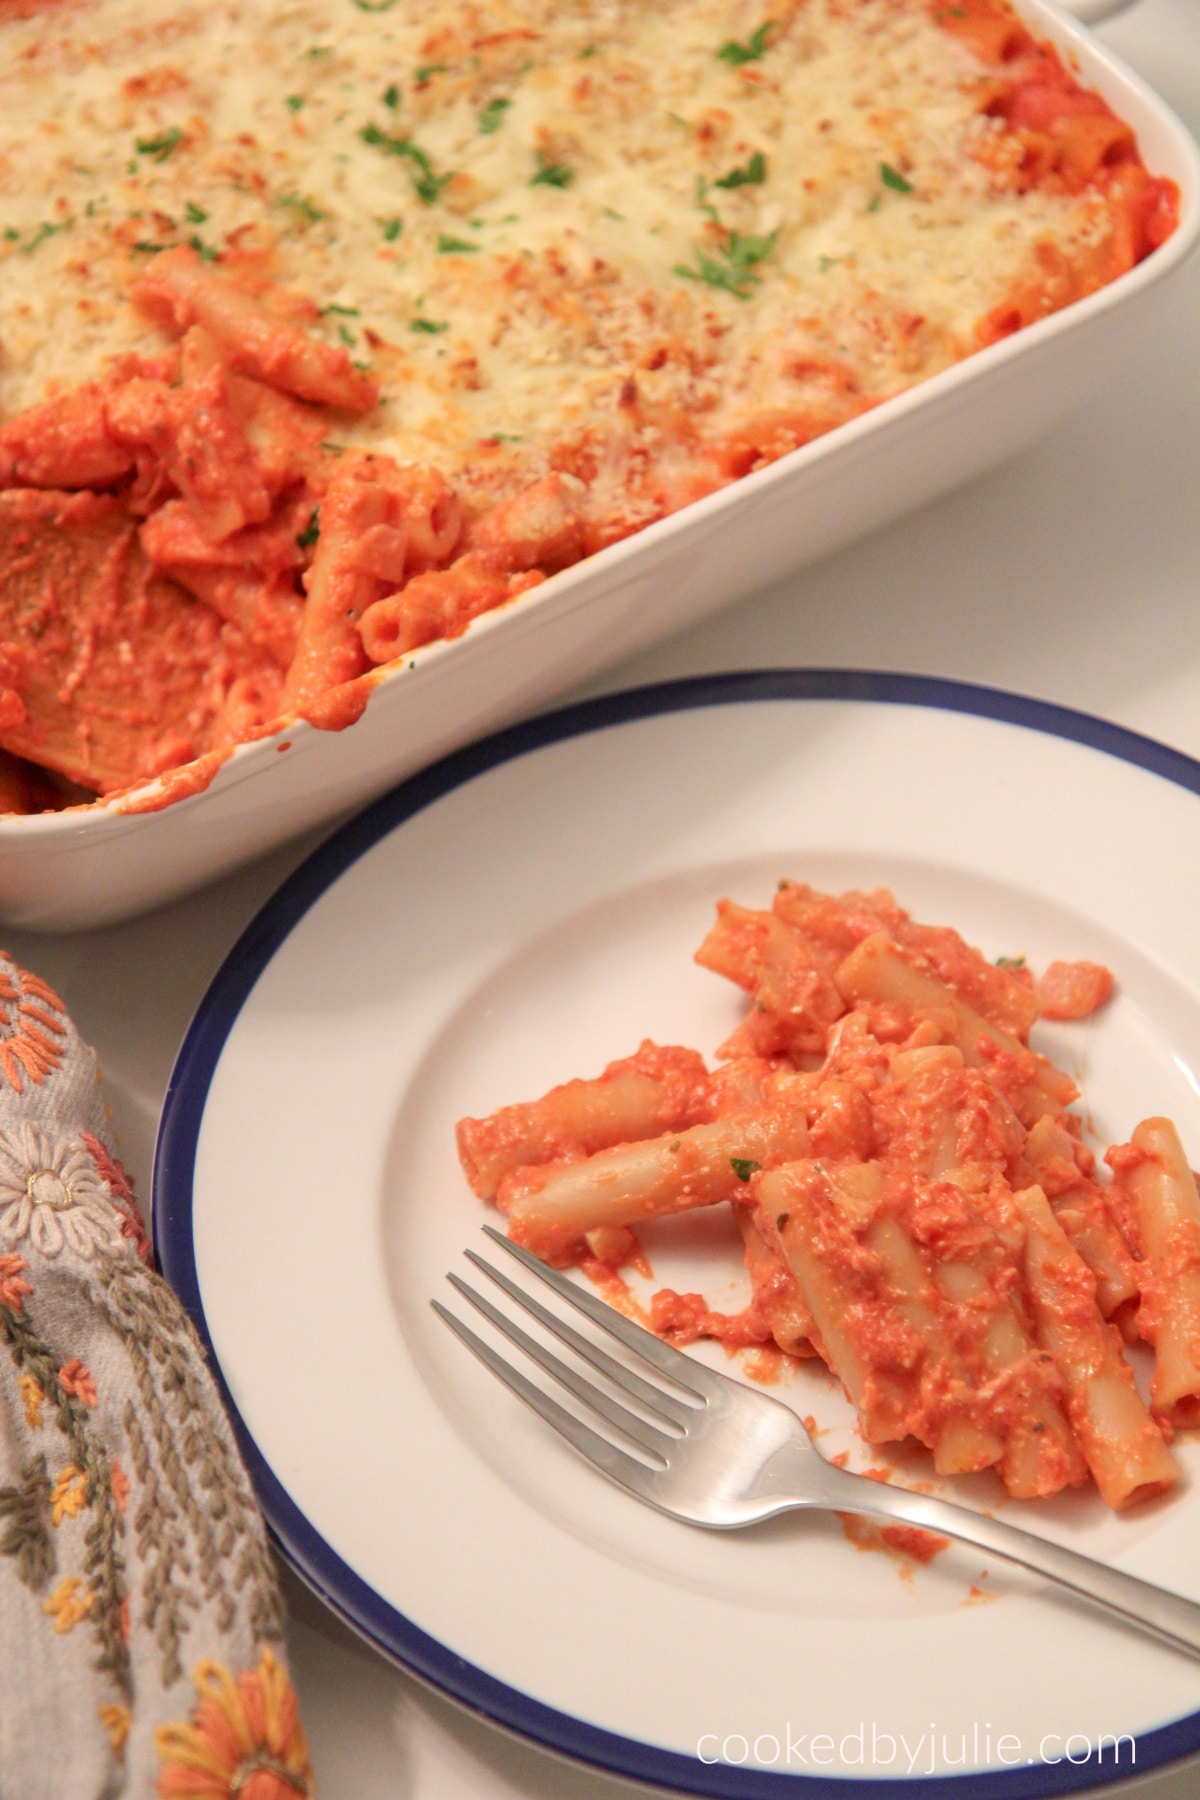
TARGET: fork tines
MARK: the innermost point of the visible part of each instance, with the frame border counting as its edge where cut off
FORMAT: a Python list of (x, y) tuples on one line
[(662, 1417)]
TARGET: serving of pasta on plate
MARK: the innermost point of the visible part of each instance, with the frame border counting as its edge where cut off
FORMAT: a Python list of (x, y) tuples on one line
[(919, 1205)]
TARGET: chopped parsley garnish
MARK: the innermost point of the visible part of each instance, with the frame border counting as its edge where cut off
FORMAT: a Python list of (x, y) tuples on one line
[(703, 201), (345, 312), (319, 50), (374, 5), (426, 184), (492, 116), (203, 250), (430, 327), (552, 174), (428, 72), (294, 102), (45, 230), (312, 530), (11, 234), (452, 246), (825, 263), (346, 335), (754, 172), (736, 54), (734, 270), (391, 96), (876, 203), (744, 1167), (610, 213), (159, 147), (334, 450), (391, 228), (894, 179), (591, 50), (1010, 962), (195, 215), (743, 252), (301, 204)]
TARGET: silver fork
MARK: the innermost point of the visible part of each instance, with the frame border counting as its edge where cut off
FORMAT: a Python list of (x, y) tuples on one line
[(715, 1453)]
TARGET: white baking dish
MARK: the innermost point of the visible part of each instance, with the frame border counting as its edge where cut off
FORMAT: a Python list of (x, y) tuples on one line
[(61, 871)]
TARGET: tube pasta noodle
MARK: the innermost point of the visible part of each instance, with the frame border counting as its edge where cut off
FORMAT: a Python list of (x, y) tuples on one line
[(1124, 1451), (917, 1204), (1162, 1215), (329, 328), (551, 1207)]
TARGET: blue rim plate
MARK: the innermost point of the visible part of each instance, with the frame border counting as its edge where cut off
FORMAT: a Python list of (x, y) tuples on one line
[(220, 1018)]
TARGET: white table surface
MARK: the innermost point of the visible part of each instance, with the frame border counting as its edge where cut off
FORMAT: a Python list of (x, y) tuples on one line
[(1073, 573)]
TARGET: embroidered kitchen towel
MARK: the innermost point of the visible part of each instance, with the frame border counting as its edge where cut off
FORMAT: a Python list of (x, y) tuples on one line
[(140, 1622)]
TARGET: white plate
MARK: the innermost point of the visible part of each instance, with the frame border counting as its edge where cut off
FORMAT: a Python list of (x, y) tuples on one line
[(524, 912), (62, 871)]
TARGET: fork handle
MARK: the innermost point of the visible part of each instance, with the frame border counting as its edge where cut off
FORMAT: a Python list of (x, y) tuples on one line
[(1152, 1609)]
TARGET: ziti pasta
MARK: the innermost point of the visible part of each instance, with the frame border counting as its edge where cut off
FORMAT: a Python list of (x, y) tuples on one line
[(918, 1205), (327, 326)]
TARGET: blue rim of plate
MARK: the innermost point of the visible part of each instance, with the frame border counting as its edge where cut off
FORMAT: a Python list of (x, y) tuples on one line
[(303, 1547)]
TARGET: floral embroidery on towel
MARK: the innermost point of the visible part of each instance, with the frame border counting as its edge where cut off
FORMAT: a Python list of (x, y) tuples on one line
[(244, 1738), (32, 1400), (88, 1474), (26, 1535), (33, 1026), (112, 1173), (117, 1722), (68, 1497), (12, 1289), (197, 1531), (53, 1195), (129, 1532), (69, 1603), (73, 1378)]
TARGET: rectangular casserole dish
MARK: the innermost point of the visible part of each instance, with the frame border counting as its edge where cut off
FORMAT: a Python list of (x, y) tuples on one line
[(110, 860)]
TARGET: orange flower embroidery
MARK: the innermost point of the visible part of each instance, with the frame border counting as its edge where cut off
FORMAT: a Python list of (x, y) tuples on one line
[(112, 1170), (244, 1741), (12, 1289), (117, 1722), (67, 1604), (32, 1027), (33, 1400), (120, 1486), (68, 1495), (74, 1378)]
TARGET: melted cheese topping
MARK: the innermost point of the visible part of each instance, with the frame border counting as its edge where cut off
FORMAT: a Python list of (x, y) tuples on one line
[(508, 211)]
